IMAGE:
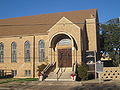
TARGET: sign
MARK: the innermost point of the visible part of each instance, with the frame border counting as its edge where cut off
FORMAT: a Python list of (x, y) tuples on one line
[(99, 66)]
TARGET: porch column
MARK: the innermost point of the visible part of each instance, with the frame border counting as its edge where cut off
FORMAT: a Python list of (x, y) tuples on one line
[(51, 55), (73, 52)]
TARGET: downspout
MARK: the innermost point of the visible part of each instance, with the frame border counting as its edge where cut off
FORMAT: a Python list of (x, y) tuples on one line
[(33, 56)]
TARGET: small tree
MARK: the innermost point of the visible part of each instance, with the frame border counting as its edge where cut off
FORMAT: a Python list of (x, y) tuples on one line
[(82, 71)]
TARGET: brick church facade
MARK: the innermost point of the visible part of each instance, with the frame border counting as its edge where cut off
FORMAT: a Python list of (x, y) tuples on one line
[(63, 38)]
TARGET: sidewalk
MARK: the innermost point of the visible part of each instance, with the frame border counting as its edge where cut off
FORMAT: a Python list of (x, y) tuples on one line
[(61, 85)]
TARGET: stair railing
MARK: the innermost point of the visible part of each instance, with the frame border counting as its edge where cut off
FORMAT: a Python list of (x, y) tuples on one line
[(57, 73), (48, 66)]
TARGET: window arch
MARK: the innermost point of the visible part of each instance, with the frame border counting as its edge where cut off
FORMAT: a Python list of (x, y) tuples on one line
[(13, 52), (64, 42), (41, 50), (1, 52), (27, 51)]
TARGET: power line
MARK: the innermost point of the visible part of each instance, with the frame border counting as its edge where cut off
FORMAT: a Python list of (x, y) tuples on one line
[(43, 24)]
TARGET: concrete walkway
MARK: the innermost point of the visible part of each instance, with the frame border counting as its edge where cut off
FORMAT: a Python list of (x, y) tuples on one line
[(44, 85), (60, 85)]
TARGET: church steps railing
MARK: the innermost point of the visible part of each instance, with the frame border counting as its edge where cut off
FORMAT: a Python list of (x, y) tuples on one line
[(48, 68)]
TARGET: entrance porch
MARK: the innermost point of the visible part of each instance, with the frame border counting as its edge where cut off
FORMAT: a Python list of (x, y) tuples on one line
[(63, 50)]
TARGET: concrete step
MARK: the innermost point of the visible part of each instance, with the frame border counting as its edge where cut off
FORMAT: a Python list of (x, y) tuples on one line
[(63, 69), (58, 80), (63, 75)]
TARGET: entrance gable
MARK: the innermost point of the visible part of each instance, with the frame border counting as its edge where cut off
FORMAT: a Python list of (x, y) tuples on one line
[(65, 26), (62, 23)]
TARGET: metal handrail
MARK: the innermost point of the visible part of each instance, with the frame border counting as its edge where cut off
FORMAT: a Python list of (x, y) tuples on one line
[(48, 66), (57, 73)]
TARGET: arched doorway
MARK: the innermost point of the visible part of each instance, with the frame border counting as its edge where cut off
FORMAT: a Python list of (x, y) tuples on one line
[(63, 48)]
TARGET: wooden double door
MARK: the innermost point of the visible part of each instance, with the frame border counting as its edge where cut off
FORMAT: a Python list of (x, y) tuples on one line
[(65, 57)]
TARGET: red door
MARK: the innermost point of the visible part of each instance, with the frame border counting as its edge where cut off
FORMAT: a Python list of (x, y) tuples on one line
[(65, 57)]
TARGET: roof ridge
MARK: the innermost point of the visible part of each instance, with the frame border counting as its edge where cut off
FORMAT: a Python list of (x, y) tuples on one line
[(47, 14)]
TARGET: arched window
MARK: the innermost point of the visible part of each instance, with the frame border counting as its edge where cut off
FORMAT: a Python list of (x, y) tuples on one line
[(13, 52), (1, 52), (41, 50), (27, 51), (64, 42)]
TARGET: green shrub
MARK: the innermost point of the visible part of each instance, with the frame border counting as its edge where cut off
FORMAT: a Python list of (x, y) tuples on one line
[(82, 71), (41, 67)]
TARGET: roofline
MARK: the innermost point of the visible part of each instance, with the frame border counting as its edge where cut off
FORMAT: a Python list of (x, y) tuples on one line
[(46, 13)]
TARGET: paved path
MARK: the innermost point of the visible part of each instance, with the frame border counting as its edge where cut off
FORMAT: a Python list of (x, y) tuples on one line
[(54, 85), (37, 85)]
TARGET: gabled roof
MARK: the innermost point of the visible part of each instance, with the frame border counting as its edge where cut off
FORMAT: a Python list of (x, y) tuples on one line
[(40, 24)]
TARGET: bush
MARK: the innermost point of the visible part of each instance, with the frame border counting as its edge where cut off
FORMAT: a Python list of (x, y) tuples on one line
[(82, 71), (41, 67)]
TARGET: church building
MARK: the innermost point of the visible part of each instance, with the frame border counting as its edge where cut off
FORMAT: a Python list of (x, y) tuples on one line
[(56, 38)]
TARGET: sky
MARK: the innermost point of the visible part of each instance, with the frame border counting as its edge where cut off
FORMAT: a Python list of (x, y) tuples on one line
[(107, 9)]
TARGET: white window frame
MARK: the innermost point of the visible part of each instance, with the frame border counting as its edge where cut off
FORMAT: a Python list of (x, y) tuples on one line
[(1, 52), (13, 52), (14, 72), (27, 73), (41, 46), (27, 51)]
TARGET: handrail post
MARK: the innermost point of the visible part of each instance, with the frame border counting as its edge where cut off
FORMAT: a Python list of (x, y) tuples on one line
[(57, 73), (57, 76)]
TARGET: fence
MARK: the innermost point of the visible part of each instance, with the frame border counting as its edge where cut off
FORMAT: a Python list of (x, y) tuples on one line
[(110, 73)]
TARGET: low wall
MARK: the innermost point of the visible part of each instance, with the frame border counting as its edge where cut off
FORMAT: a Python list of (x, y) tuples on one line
[(110, 73)]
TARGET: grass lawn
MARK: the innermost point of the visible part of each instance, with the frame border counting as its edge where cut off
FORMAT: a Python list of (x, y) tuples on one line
[(2, 81)]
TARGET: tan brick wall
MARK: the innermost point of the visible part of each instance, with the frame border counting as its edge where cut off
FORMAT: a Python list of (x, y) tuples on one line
[(20, 65), (37, 62), (91, 34)]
